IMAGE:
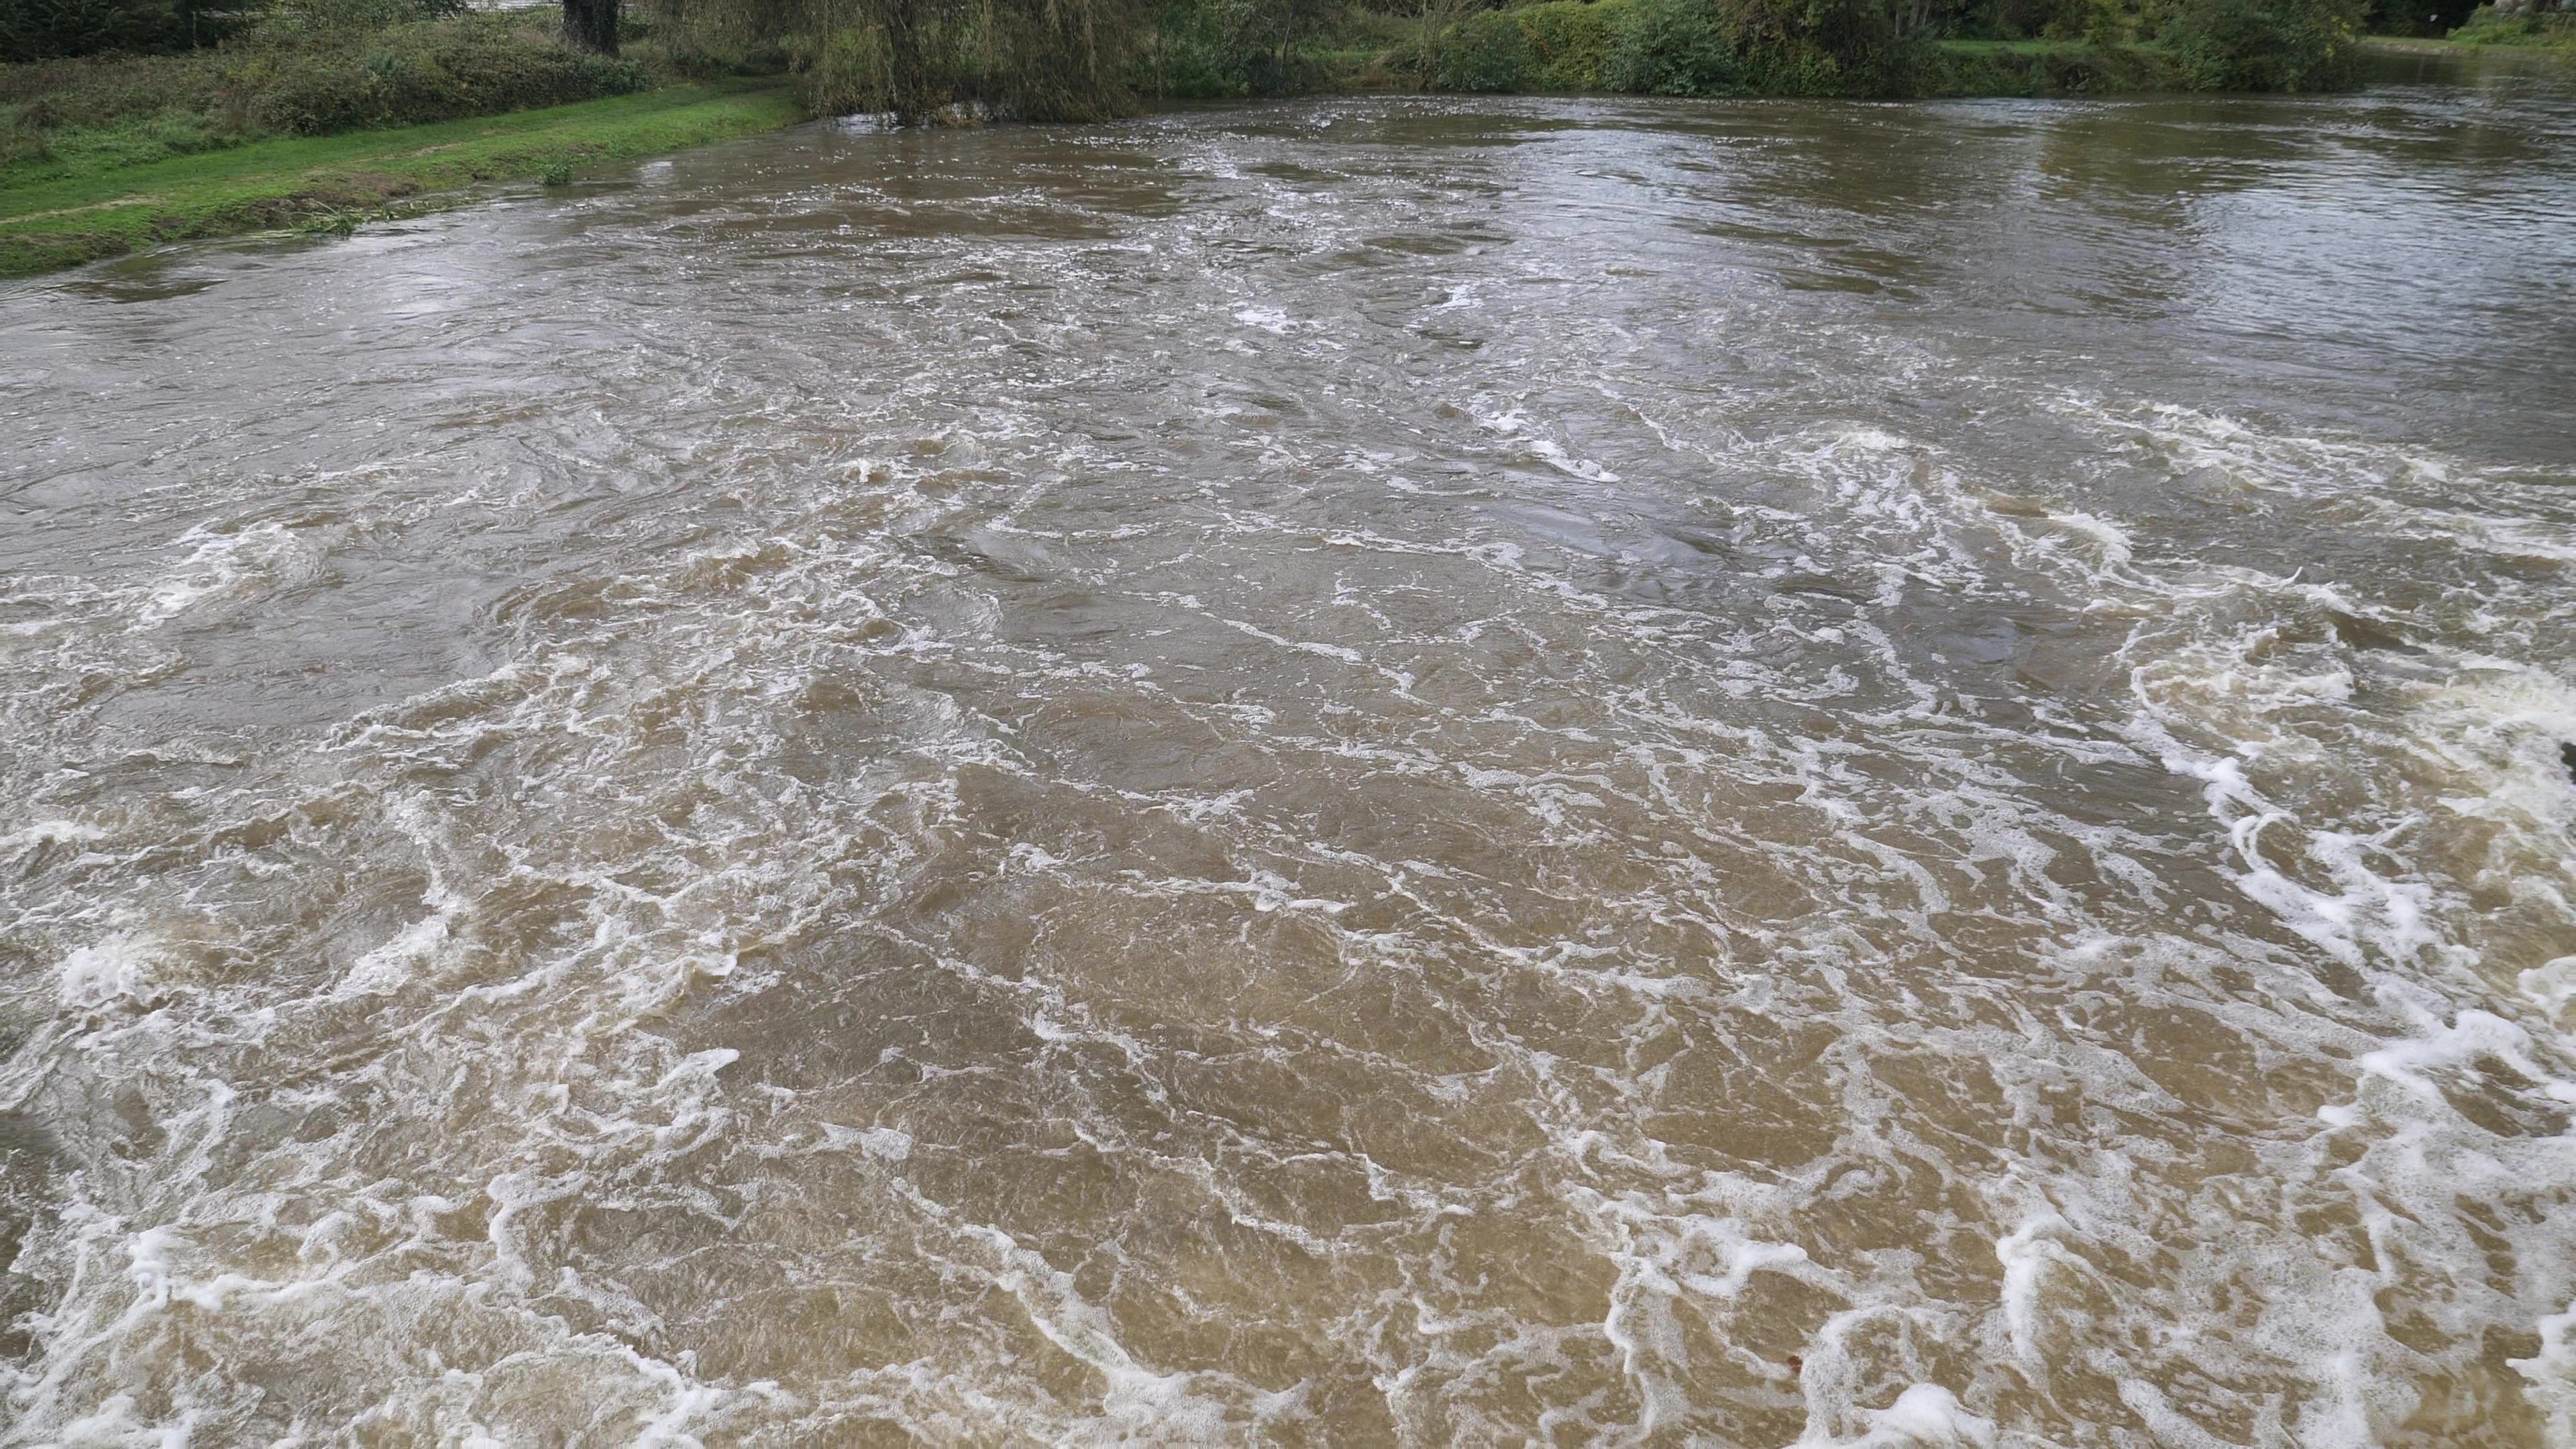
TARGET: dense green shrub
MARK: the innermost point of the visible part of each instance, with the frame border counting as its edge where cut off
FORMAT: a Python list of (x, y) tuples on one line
[(1188, 53), (1671, 48), (2071, 68), (1683, 47), (2522, 24), (286, 23), (50, 29), (1824, 47), (1571, 42), (1488, 51), (2263, 45), (1225, 49), (1655, 47), (415, 74), (1884, 47)]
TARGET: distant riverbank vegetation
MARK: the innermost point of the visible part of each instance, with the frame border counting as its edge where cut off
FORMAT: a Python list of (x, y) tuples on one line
[(2522, 25), (1078, 59), (99, 84)]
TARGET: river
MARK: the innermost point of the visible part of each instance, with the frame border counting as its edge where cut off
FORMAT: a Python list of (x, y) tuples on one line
[(1382, 770)]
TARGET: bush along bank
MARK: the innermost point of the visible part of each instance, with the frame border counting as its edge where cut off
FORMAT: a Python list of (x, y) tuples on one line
[(2523, 25), (1083, 59), (1859, 48), (318, 67)]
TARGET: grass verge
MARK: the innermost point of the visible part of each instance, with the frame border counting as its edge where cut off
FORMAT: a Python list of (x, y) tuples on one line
[(332, 182), (2466, 55)]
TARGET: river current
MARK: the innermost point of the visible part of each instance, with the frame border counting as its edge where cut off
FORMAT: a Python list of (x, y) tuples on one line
[(1384, 770)]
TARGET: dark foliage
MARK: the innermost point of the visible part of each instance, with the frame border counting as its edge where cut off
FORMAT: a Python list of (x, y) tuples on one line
[(1673, 48), (307, 68), (415, 75), (2264, 45), (2417, 17), (50, 29), (591, 25)]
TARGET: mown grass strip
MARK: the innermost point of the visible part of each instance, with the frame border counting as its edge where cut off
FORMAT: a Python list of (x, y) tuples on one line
[(327, 179)]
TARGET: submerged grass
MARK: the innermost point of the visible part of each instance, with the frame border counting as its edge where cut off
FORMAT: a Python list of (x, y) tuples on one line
[(331, 183)]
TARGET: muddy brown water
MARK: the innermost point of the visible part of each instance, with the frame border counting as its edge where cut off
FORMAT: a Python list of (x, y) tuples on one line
[(1373, 771)]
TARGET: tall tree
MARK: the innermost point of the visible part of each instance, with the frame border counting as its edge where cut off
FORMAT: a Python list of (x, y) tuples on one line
[(591, 24)]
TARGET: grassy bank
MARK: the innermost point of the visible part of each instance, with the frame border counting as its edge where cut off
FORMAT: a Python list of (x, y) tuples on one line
[(2552, 36), (332, 181), (2417, 58)]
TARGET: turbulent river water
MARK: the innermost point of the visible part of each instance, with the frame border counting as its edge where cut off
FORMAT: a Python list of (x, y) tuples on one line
[(1373, 771)]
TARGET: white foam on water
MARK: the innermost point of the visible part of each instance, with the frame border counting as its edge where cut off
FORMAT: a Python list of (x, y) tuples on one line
[(30, 838), (1513, 423), (1923, 1416), (885, 956), (2552, 1374), (118, 967), (1267, 319), (225, 565)]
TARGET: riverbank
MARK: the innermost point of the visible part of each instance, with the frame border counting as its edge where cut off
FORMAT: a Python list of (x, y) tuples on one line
[(79, 207), (2406, 59), (106, 206), (332, 182)]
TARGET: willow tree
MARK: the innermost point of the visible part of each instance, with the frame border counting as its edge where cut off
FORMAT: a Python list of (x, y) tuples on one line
[(1028, 60)]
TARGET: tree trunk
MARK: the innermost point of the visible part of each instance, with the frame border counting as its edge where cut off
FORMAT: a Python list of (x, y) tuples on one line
[(591, 25)]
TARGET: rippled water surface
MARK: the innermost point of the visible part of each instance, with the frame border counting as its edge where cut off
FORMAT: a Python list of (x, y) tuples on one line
[(1380, 771)]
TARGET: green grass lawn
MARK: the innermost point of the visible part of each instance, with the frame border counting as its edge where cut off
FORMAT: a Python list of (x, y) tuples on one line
[(334, 181)]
